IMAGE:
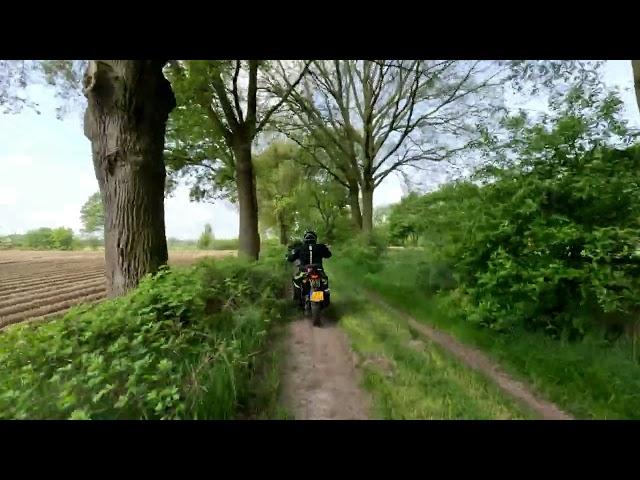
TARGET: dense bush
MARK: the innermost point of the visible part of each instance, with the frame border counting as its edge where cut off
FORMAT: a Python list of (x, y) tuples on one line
[(551, 241), (434, 276), (182, 345), (225, 244), (49, 239), (558, 245), (365, 251)]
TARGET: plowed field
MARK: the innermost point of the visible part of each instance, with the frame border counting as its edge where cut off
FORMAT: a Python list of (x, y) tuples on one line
[(37, 285)]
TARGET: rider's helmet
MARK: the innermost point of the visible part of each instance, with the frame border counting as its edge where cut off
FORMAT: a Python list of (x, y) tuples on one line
[(310, 237)]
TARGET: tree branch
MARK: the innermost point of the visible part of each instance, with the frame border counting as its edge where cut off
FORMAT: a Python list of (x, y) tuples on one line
[(252, 97), (284, 97), (236, 98), (218, 86)]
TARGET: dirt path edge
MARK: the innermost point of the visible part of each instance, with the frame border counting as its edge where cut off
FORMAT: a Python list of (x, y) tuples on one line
[(320, 379), (480, 362)]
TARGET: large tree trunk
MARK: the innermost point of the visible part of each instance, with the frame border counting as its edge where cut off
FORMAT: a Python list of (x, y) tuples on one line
[(367, 209), (249, 237), (354, 205), (284, 230), (128, 105), (635, 65)]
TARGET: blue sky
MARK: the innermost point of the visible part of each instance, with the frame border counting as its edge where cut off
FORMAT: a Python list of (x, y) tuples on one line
[(46, 173)]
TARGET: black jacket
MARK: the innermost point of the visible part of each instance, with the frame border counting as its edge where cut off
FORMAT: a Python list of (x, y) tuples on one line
[(311, 254)]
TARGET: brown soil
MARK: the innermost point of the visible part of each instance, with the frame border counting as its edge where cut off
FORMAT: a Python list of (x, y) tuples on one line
[(480, 362), (41, 284), (320, 381)]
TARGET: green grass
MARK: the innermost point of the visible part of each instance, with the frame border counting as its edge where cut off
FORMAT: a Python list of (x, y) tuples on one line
[(265, 386), (411, 378), (591, 379)]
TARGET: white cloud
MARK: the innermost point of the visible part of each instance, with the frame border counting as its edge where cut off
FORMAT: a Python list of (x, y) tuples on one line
[(16, 161), (389, 191), (185, 219), (68, 215), (8, 196)]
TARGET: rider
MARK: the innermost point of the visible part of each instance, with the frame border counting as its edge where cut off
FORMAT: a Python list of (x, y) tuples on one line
[(310, 252)]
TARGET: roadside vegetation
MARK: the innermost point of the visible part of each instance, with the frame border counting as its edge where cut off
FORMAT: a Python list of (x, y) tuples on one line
[(187, 343), (518, 233)]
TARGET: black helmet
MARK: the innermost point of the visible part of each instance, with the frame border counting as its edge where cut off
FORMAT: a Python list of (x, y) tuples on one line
[(310, 237)]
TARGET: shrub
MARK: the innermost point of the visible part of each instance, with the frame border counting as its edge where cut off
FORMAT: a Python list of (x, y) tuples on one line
[(365, 251), (435, 275), (206, 239), (225, 244), (49, 239), (182, 345)]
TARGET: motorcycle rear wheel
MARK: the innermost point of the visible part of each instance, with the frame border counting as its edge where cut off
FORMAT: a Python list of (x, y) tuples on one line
[(315, 314)]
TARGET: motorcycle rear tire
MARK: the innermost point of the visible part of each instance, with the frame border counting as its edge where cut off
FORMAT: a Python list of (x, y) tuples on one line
[(315, 314)]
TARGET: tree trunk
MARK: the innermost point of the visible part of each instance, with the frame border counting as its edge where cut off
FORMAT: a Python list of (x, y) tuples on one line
[(249, 237), (128, 102), (367, 209), (284, 230), (635, 65), (354, 206)]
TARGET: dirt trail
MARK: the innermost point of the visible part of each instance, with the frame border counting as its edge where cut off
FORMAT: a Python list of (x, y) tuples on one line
[(320, 381), (480, 362)]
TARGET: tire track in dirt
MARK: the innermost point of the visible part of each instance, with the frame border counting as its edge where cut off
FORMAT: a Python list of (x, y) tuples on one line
[(320, 380), (480, 362)]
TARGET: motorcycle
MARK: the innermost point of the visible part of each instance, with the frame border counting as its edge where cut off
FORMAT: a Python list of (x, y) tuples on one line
[(316, 293)]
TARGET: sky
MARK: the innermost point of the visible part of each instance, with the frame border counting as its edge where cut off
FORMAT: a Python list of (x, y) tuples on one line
[(46, 172)]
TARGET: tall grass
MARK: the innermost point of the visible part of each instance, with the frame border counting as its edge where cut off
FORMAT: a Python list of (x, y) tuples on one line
[(593, 378), (411, 378)]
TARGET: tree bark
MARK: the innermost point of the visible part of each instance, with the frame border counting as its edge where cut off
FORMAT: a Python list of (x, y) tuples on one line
[(249, 237), (354, 205), (635, 65), (367, 209), (128, 103), (284, 233)]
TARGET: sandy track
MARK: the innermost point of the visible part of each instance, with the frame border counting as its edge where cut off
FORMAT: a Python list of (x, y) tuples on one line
[(320, 381)]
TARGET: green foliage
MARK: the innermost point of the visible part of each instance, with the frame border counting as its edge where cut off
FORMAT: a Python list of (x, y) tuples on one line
[(410, 378), (364, 251), (592, 379), (558, 239), (294, 196), (279, 180), (550, 243), (49, 239), (225, 244), (10, 242), (434, 276), (195, 149), (92, 214), (205, 241), (62, 238), (182, 345)]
